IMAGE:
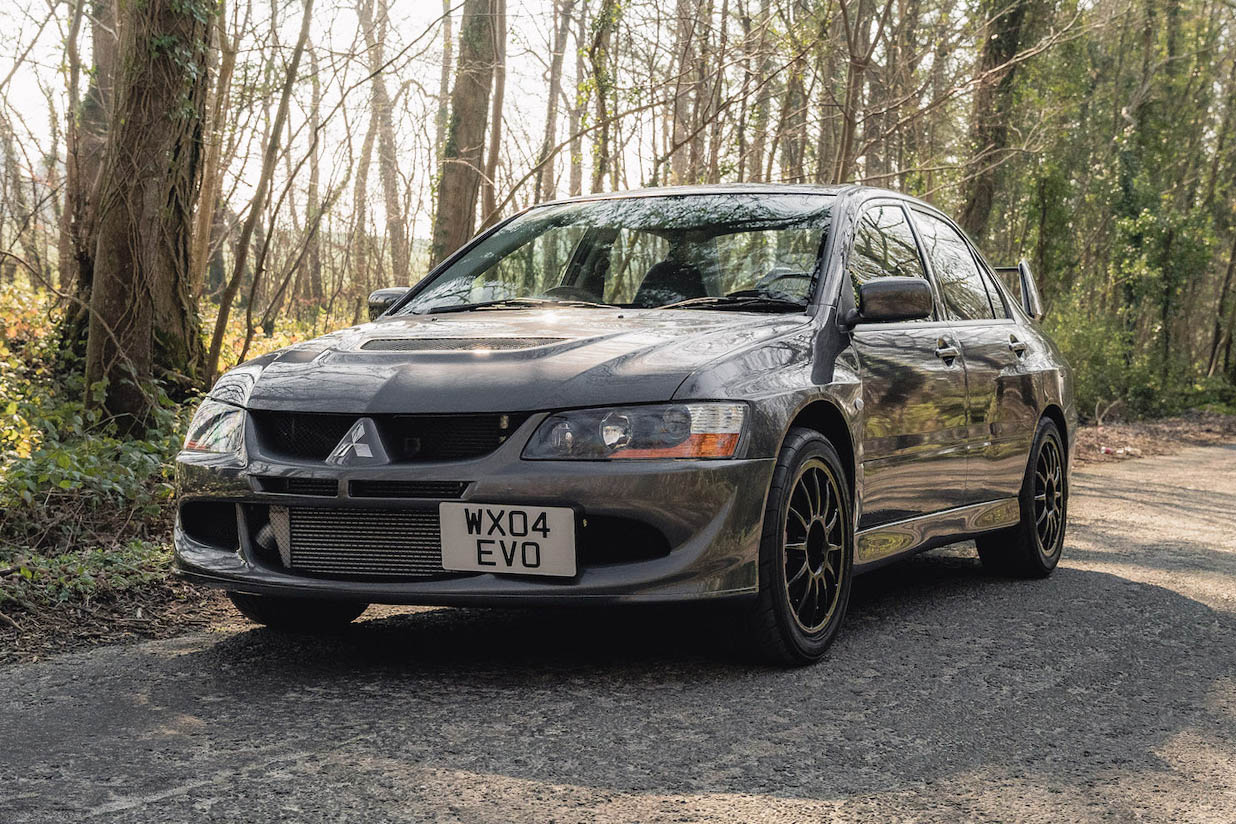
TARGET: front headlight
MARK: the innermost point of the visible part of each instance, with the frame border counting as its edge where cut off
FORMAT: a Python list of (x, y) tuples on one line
[(217, 427), (674, 430)]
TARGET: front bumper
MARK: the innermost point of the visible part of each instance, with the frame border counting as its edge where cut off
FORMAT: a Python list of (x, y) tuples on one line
[(708, 513)]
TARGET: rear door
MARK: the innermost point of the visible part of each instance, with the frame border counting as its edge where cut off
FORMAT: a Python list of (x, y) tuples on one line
[(914, 386), (999, 408)]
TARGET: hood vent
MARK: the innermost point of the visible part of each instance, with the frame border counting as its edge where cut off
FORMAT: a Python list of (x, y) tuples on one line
[(455, 344)]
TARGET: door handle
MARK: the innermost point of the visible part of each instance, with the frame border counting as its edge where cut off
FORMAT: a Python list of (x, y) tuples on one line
[(945, 352), (1018, 347)]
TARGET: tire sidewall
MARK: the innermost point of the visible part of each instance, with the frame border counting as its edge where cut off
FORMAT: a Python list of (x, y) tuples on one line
[(800, 447), (1047, 430)]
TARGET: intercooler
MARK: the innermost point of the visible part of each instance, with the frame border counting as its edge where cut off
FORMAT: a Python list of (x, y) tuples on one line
[(396, 543)]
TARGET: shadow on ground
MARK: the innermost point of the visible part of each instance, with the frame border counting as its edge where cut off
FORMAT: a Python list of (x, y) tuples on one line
[(942, 671)]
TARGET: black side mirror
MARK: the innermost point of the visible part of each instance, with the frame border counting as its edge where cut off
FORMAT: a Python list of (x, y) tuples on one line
[(382, 299), (889, 299)]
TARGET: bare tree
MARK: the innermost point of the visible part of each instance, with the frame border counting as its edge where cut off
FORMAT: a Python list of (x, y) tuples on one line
[(489, 205), (460, 181), (269, 158), (388, 158)]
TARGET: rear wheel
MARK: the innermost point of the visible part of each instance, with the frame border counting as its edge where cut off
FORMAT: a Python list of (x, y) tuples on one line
[(1032, 548), (297, 614), (806, 553)]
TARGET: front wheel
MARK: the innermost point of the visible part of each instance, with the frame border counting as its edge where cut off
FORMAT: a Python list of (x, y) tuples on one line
[(297, 614), (1032, 548), (806, 553)]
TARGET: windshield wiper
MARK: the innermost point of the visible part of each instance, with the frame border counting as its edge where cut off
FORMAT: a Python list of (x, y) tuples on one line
[(511, 303), (754, 303)]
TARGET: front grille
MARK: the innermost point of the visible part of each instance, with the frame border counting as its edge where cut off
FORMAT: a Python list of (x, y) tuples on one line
[(300, 434), (455, 344), (310, 436), (322, 487), (380, 543), (407, 489)]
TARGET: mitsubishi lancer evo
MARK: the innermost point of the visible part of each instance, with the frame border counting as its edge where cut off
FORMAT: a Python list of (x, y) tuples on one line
[(741, 395)]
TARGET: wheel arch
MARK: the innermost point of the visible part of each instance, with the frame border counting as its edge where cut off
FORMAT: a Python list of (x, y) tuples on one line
[(1056, 415), (826, 418)]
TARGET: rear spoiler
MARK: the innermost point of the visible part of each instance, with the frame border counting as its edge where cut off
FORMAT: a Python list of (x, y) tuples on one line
[(1023, 286)]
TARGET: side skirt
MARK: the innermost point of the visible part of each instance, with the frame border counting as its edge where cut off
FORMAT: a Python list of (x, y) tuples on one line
[(888, 542)]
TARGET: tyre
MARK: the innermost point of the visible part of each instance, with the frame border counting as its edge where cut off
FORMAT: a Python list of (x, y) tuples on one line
[(297, 614), (806, 554), (1032, 548)]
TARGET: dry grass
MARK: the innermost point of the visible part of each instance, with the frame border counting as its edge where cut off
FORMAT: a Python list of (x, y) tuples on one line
[(1137, 439)]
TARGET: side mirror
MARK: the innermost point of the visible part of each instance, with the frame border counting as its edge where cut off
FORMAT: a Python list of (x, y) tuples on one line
[(888, 299), (382, 299)]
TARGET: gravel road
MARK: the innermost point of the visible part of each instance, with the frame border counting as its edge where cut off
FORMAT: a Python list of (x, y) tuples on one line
[(1105, 693)]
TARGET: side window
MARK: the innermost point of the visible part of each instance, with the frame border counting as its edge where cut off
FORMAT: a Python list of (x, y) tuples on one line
[(961, 283), (998, 303), (884, 247)]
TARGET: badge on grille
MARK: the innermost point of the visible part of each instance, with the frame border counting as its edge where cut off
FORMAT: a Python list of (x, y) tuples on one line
[(361, 446)]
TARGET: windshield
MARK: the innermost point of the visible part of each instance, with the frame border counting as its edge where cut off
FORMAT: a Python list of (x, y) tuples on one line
[(745, 252)]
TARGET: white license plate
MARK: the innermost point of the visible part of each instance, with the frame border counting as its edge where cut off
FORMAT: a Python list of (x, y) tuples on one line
[(519, 540)]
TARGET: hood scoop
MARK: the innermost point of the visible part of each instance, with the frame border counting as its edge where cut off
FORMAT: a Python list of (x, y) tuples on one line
[(455, 344)]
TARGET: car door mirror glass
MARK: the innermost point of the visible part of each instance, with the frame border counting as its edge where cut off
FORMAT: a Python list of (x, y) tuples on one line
[(885, 300)]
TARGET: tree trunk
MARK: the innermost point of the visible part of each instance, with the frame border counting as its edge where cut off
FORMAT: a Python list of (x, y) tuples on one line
[(545, 189), (212, 168), (578, 106), (455, 217), (270, 157), (763, 99), (142, 315), (684, 76), (388, 158), (312, 288), (599, 58), (444, 87), (993, 102), (489, 183), (89, 122)]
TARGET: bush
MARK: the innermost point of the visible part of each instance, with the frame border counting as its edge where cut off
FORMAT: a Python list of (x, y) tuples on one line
[(80, 507)]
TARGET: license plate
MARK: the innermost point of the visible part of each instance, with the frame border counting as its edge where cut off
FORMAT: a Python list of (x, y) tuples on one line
[(518, 540)]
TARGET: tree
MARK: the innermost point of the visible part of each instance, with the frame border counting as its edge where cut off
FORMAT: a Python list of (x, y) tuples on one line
[(142, 319), (993, 102), (388, 152), (269, 158), (460, 181)]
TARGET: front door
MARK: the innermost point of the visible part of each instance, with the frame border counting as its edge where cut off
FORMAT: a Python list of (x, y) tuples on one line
[(914, 387)]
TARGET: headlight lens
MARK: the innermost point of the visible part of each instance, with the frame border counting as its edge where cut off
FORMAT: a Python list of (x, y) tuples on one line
[(678, 430), (217, 427)]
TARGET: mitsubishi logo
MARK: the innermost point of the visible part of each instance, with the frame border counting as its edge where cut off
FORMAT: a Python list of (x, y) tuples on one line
[(360, 446)]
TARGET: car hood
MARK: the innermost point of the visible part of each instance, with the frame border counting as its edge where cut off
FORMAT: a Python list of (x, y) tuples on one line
[(505, 360)]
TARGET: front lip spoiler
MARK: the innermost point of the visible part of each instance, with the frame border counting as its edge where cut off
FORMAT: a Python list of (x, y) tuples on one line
[(399, 594)]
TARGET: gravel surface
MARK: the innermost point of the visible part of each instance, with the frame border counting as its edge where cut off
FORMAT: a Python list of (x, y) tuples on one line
[(1105, 693)]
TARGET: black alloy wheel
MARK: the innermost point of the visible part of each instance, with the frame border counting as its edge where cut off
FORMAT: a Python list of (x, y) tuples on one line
[(1032, 548), (806, 553)]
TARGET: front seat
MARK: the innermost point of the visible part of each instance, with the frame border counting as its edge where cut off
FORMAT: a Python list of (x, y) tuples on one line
[(670, 281)]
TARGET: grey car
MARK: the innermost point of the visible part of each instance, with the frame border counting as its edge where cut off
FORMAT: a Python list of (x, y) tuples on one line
[(741, 395)]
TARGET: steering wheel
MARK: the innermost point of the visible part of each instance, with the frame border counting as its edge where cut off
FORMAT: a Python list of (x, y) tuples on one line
[(571, 293)]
